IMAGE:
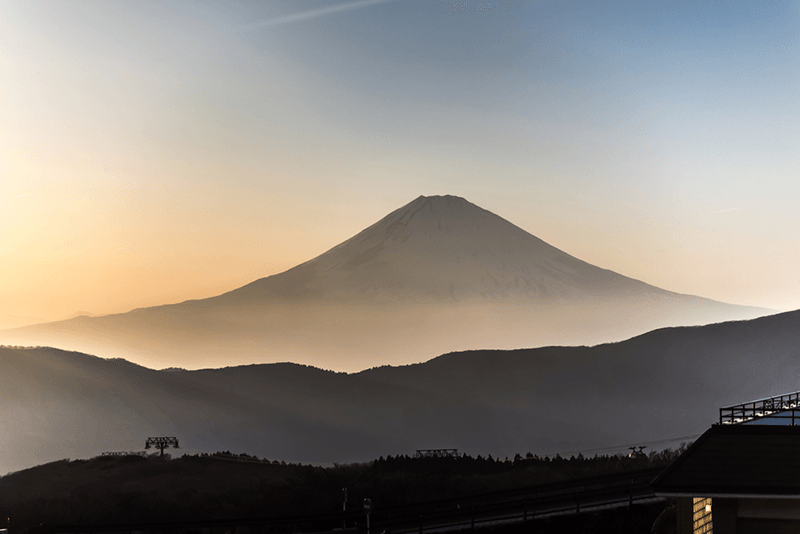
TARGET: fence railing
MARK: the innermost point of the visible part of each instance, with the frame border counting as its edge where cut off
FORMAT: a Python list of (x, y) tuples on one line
[(783, 409)]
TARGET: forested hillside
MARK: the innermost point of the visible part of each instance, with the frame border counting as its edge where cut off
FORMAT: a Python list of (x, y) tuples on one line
[(137, 489)]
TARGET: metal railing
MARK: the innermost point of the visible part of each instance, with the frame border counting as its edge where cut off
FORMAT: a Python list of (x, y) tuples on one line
[(785, 409), (565, 498)]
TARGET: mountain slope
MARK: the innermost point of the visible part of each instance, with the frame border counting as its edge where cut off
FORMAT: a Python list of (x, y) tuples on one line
[(663, 384), (444, 248), (437, 275)]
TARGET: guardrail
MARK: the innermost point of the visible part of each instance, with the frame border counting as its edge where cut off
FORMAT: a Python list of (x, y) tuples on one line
[(516, 512), (524, 504)]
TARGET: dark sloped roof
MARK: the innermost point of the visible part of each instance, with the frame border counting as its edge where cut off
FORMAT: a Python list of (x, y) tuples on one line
[(737, 459)]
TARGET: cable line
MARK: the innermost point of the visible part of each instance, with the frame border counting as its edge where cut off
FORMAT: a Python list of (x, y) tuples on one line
[(623, 447)]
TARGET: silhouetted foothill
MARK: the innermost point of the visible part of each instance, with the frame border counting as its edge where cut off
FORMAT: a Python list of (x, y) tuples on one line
[(224, 485), (661, 385)]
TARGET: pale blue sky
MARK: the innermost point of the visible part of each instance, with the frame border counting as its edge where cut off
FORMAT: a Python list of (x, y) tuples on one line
[(158, 151)]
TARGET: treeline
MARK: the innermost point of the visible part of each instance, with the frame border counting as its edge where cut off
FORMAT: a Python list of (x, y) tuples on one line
[(598, 464), (413, 479)]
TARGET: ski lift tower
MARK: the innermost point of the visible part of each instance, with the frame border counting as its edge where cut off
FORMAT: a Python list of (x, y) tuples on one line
[(161, 443)]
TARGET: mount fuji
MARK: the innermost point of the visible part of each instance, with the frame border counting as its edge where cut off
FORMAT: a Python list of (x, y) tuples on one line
[(439, 274), (444, 248)]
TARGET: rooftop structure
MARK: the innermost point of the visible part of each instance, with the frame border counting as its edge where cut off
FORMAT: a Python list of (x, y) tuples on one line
[(743, 474), (744, 460)]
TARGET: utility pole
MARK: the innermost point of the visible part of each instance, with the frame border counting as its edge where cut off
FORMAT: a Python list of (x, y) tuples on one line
[(367, 510), (344, 508)]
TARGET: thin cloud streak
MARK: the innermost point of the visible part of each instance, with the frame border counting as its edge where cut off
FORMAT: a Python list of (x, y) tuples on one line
[(305, 15)]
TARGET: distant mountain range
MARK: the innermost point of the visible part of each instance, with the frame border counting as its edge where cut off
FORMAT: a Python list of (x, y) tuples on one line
[(663, 384), (437, 275), (13, 321)]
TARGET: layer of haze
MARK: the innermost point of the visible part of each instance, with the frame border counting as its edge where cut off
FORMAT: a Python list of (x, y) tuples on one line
[(153, 152)]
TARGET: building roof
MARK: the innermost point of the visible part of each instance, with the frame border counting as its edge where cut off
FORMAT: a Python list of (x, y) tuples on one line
[(737, 460)]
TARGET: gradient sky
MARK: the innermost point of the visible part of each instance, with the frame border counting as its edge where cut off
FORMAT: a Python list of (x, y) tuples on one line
[(153, 152)]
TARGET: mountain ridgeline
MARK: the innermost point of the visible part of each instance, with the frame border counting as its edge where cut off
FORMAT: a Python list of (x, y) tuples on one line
[(664, 384), (437, 275)]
